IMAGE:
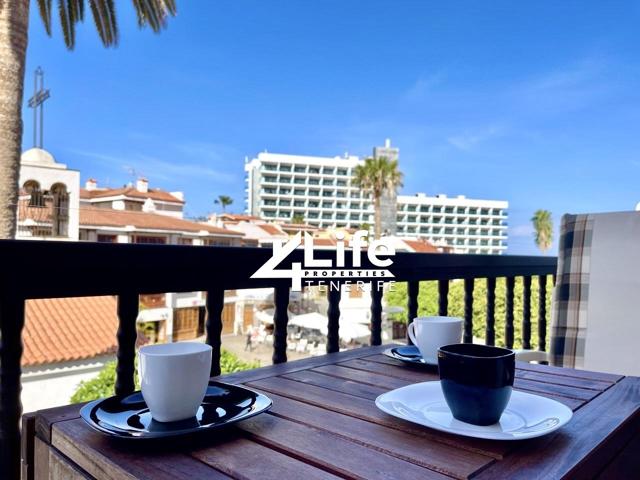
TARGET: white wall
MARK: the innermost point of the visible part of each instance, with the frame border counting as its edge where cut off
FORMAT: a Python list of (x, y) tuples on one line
[(52, 385)]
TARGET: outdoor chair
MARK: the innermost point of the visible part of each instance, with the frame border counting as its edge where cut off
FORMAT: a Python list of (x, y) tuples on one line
[(595, 322)]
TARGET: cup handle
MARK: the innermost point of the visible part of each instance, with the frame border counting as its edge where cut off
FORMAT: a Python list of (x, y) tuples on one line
[(411, 334)]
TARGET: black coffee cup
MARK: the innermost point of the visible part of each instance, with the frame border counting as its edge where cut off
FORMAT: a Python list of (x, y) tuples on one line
[(476, 381)]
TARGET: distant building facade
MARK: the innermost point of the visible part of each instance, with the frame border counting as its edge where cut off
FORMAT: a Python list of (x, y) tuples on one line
[(280, 187)]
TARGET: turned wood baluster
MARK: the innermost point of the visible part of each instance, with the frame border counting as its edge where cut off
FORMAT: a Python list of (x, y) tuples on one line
[(526, 313), (376, 314), (213, 327), (280, 321), (127, 334), (443, 297), (490, 333), (11, 325), (333, 312), (508, 327), (468, 310), (542, 313), (413, 289)]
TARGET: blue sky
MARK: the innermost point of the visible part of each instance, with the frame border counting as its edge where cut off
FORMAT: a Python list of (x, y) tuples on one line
[(537, 103)]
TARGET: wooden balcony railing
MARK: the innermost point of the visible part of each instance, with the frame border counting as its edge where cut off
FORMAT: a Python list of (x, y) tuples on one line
[(33, 269)]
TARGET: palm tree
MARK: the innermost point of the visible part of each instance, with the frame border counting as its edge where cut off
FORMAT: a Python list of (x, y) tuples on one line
[(224, 201), (14, 24), (377, 176), (297, 219), (543, 229)]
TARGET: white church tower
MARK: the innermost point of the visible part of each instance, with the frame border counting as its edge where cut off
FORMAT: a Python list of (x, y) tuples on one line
[(49, 198)]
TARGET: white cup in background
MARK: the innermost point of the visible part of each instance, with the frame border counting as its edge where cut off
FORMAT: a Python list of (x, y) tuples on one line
[(430, 333), (174, 378)]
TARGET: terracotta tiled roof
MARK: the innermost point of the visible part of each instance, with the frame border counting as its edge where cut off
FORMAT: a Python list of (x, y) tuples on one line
[(271, 229), (236, 217), (153, 194), (421, 246), (105, 217), (66, 329)]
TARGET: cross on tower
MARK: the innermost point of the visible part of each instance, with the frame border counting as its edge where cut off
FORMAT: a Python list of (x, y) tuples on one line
[(37, 103)]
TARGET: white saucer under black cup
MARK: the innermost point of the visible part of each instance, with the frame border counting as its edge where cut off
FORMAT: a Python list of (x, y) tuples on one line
[(129, 417), (526, 415), (409, 355)]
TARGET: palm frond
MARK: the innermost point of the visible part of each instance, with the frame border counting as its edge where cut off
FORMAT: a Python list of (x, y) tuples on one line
[(44, 6), (68, 31), (154, 13), (104, 17)]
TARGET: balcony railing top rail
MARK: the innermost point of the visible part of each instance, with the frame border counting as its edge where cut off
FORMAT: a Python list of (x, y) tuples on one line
[(40, 269)]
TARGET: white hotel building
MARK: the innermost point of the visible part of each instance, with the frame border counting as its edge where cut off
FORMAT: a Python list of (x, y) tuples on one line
[(280, 187)]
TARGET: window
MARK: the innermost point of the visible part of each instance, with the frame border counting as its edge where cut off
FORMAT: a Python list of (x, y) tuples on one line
[(342, 171), (341, 183), (314, 170), (269, 178), (285, 168), (327, 181), (286, 203), (285, 191), (269, 203), (328, 170), (147, 239), (185, 241), (298, 203), (269, 167), (314, 193), (299, 169), (314, 181), (218, 242), (327, 204), (107, 238), (313, 204), (60, 214), (298, 191), (36, 198)]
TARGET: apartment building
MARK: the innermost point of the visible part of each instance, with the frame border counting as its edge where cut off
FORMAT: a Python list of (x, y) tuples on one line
[(464, 224), (280, 187), (319, 189)]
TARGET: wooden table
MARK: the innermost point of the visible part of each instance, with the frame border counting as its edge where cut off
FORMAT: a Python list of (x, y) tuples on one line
[(324, 424)]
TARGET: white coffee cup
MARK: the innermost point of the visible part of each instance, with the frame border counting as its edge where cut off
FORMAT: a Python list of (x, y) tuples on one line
[(174, 378), (430, 333)]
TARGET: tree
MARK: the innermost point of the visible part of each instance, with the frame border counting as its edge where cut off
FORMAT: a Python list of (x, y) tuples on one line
[(428, 306), (14, 24), (297, 219), (543, 229), (224, 201), (377, 176)]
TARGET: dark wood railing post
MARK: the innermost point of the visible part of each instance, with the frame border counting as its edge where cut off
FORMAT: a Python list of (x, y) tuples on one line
[(280, 321), (468, 310), (508, 327), (376, 313), (490, 332), (333, 312), (11, 325), (213, 326), (128, 303), (526, 312), (542, 313), (443, 297), (413, 289)]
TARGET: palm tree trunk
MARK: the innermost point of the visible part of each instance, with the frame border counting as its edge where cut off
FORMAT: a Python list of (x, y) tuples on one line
[(377, 216), (14, 23)]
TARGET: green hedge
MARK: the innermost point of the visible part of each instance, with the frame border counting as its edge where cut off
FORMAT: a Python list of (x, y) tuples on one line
[(428, 305), (103, 385)]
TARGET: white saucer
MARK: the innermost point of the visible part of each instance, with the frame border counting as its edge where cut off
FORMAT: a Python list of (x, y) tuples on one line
[(526, 415)]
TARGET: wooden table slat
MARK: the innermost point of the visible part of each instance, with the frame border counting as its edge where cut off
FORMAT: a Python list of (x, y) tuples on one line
[(569, 451), (321, 448), (108, 460), (366, 410), (433, 455)]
